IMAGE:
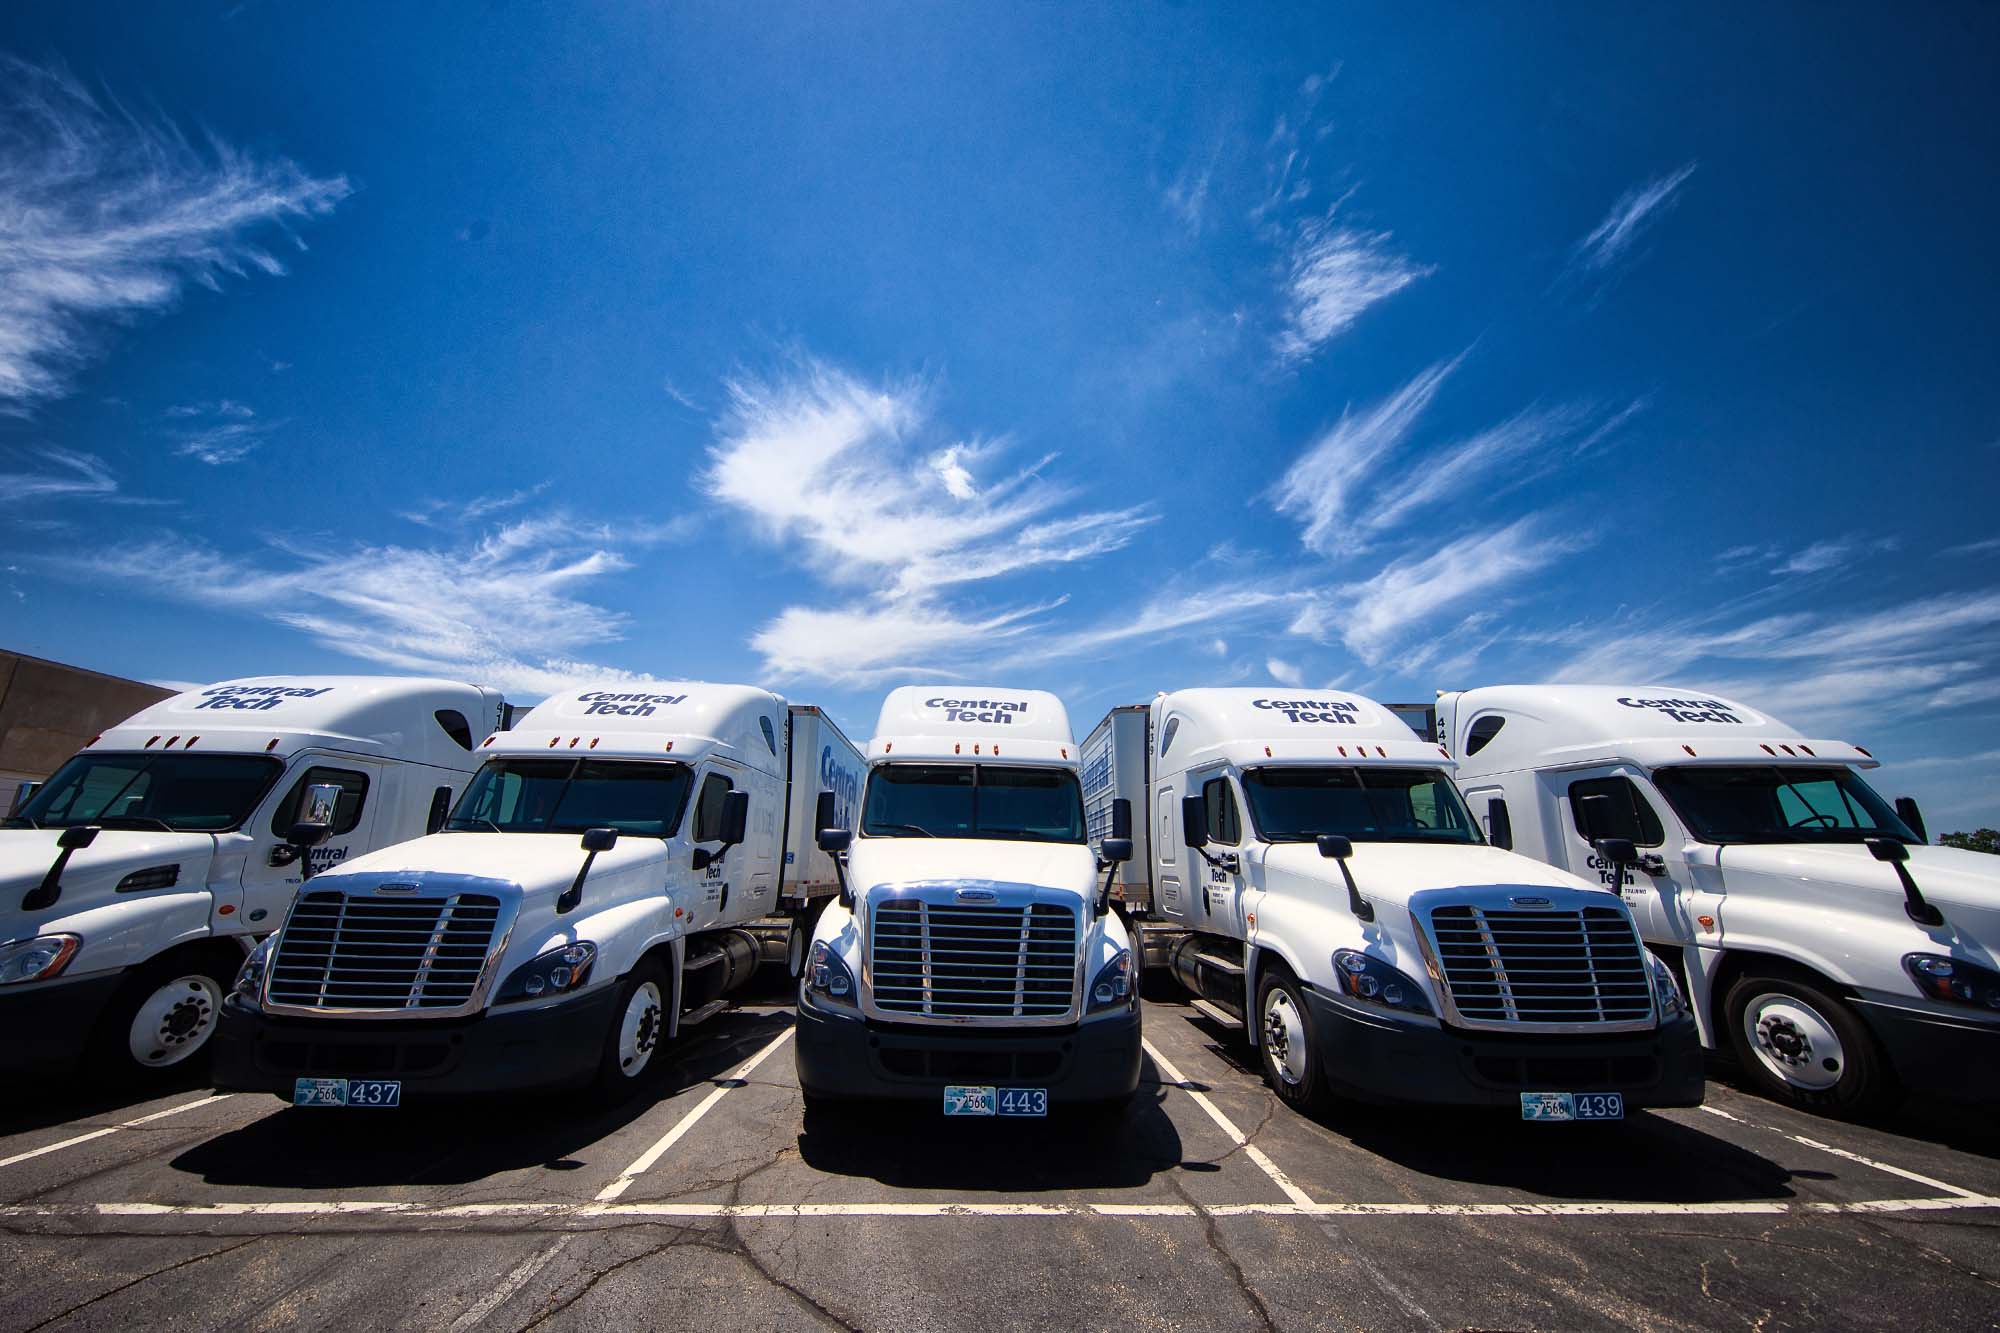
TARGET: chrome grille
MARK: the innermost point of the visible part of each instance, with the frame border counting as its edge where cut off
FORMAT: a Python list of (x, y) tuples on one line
[(341, 952), (950, 960), (1583, 967)]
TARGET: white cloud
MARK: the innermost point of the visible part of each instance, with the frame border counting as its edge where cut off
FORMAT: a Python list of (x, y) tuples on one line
[(1317, 487), (860, 643), (1973, 548), (1518, 444), (224, 442), (1336, 274), (64, 474), (1628, 218), (1285, 673), (1218, 646), (103, 217), (505, 609)]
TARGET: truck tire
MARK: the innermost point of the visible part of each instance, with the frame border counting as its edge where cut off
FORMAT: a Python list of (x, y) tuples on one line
[(161, 1019), (1287, 1044), (1799, 1043), (639, 1019), (799, 940)]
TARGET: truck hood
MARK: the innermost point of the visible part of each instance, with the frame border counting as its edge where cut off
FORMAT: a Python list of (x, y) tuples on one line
[(1067, 867), (1391, 872), (1964, 885), (92, 875), (538, 863)]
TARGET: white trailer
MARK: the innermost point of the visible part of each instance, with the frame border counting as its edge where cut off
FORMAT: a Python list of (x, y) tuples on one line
[(1314, 876), (1817, 936), (973, 960), (135, 879), (598, 888)]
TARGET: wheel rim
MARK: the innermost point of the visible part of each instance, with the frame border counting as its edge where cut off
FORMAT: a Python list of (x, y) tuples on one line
[(639, 1030), (795, 949), (1794, 1042), (175, 1021), (1285, 1036)]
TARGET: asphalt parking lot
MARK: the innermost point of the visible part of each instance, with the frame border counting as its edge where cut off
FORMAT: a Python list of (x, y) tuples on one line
[(1209, 1206)]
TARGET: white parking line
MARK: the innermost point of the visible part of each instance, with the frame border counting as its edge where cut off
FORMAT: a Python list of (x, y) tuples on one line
[(113, 1129), (510, 1284), (1855, 1157), (645, 1160), (1250, 1150)]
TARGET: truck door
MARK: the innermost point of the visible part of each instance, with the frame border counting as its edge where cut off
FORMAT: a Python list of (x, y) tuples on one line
[(1659, 902), (268, 887), (1167, 841), (1221, 893)]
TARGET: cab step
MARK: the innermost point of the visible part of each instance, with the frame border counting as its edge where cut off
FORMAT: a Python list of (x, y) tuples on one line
[(1217, 1015), (1219, 963), (703, 1014)]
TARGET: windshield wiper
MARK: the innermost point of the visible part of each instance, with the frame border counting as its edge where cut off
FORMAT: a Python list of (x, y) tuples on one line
[(910, 828), (472, 819), (143, 821)]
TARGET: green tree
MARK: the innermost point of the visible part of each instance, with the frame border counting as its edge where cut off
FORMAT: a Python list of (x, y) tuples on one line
[(1979, 840)]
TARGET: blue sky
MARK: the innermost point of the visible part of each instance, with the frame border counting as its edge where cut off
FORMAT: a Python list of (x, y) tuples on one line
[(1101, 350)]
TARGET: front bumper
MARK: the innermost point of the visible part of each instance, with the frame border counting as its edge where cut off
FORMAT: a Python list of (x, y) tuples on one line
[(49, 1023), (1935, 1053), (1372, 1058), (497, 1051), (851, 1059)]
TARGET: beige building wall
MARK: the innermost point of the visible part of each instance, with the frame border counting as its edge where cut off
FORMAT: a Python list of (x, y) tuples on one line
[(49, 711)]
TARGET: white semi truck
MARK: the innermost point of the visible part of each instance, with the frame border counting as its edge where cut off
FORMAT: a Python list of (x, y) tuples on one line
[(133, 881), (593, 892), (1308, 869), (973, 960), (1817, 936)]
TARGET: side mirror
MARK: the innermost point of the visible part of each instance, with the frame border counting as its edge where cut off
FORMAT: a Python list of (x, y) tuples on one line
[(77, 835), (1115, 849), (1892, 851), (599, 839), (440, 810), (1335, 846), (826, 827), (1121, 820), (1906, 810), (1617, 851), (595, 840), (735, 816), (1594, 814), (1499, 825), (46, 893), (1194, 822), (317, 808), (1887, 849), (835, 840), (22, 795), (1338, 847)]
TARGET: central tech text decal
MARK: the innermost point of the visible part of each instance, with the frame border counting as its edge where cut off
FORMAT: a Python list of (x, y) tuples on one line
[(626, 705), (1689, 710), (1312, 710), (978, 710), (257, 698)]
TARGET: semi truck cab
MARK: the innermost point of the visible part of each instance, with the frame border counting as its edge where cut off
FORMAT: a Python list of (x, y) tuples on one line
[(1317, 883), (1818, 937), (133, 881), (973, 961)]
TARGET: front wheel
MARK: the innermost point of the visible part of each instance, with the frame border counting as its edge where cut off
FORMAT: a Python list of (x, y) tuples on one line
[(1287, 1043), (162, 1018), (1800, 1044), (638, 1027)]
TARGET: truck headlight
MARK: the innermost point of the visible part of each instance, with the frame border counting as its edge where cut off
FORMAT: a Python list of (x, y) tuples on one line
[(250, 977), (1954, 980), (827, 983), (560, 969), (37, 959), (1112, 986), (1373, 981), (1666, 990)]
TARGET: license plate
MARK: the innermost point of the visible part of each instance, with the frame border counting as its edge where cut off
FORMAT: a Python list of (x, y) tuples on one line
[(347, 1092), (1572, 1106), (975, 1100)]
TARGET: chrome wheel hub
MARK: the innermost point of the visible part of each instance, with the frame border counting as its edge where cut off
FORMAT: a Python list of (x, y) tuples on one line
[(175, 1021), (1795, 1042), (1284, 1037), (639, 1029)]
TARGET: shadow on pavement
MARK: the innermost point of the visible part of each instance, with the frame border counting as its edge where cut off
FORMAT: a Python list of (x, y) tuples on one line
[(912, 1146), (458, 1142), (73, 1098)]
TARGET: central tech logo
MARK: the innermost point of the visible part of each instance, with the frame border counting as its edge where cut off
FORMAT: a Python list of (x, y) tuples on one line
[(1312, 710), (978, 710), (257, 698), (627, 705), (1688, 710)]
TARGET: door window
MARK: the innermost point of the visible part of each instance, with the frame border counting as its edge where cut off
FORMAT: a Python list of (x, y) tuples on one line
[(1167, 829), (708, 809), (1225, 825), (1624, 813), (346, 811)]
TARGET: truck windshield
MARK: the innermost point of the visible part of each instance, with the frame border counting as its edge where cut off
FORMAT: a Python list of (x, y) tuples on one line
[(642, 798), (973, 801), (1765, 803), (1365, 804), (177, 792)]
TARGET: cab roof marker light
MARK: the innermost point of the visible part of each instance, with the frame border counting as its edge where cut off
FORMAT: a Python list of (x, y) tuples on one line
[(191, 741), (1767, 750), (573, 740), (670, 746), (956, 748), (273, 745), (1864, 751), (593, 742), (1343, 751), (149, 744), (1689, 749), (1267, 752), (488, 741), (886, 746), (1808, 749), (170, 743), (95, 739), (553, 740), (1787, 749), (1382, 752)]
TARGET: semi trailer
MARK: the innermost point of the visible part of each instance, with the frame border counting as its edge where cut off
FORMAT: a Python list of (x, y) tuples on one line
[(134, 881), (1817, 936), (1307, 870), (595, 891), (973, 960)]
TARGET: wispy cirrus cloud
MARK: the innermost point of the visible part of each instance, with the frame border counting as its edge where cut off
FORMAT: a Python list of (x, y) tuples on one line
[(104, 216), (1628, 219), (1335, 273), (862, 482), (507, 608), (219, 433), (51, 472)]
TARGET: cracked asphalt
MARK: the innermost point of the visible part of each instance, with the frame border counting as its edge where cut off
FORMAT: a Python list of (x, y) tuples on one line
[(240, 1213)]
